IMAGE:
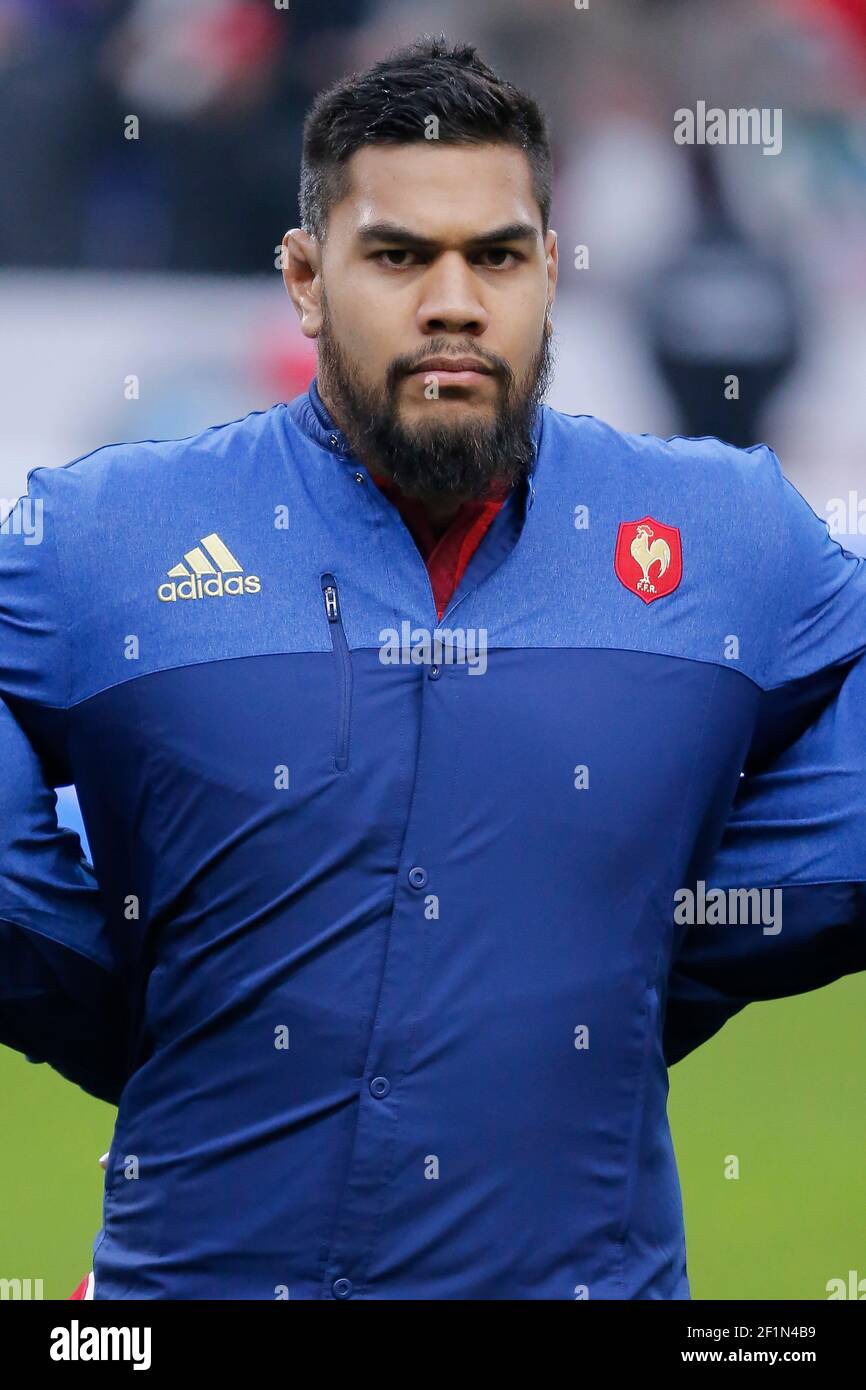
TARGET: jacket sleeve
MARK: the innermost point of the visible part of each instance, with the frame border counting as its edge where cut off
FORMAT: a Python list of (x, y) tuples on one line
[(812, 602), (61, 999), (797, 829)]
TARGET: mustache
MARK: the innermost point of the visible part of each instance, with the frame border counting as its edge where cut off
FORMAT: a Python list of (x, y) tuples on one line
[(406, 366), (436, 457)]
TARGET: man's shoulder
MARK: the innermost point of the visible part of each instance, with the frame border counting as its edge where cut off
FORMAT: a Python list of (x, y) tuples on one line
[(705, 459), (150, 463)]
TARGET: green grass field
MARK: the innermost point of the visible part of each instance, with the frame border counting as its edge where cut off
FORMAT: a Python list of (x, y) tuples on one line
[(781, 1087)]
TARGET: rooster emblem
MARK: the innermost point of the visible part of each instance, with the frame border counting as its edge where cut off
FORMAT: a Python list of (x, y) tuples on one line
[(648, 555), (649, 558)]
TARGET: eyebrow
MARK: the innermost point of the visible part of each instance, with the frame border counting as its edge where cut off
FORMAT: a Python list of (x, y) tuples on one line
[(396, 235)]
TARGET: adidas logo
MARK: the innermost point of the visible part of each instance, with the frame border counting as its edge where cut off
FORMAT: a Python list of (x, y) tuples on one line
[(209, 570)]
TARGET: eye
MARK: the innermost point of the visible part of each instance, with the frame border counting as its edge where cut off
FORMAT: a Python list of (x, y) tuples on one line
[(498, 251), (395, 258), (394, 251)]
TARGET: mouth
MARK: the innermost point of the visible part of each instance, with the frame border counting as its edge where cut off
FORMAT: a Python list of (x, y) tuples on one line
[(454, 371)]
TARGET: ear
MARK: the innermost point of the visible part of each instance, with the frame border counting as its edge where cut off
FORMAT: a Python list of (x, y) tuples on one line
[(301, 262), (552, 248)]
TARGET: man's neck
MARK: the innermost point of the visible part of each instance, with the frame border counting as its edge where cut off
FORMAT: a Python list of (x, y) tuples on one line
[(439, 510)]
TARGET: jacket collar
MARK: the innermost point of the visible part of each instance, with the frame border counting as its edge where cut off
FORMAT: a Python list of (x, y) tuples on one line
[(311, 415)]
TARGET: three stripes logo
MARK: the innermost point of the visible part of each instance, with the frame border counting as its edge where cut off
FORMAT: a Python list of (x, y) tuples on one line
[(209, 570)]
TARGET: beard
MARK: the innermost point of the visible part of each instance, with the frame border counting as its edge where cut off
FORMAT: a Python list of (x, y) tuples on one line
[(470, 457)]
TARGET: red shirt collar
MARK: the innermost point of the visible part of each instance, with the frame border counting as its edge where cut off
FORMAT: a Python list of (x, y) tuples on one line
[(447, 554)]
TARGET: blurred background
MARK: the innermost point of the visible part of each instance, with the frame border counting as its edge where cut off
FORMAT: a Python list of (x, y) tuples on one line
[(139, 299)]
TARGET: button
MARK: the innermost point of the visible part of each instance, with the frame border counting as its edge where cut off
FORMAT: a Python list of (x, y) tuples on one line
[(379, 1087), (417, 877), (334, 441), (434, 673), (342, 1288), (359, 478)]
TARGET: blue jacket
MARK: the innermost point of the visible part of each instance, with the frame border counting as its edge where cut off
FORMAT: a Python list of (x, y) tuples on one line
[(396, 935)]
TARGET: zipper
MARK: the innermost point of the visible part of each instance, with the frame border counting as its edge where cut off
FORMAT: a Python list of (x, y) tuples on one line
[(344, 668)]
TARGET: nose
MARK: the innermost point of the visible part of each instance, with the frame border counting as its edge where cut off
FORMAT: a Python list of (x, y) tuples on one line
[(449, 302)]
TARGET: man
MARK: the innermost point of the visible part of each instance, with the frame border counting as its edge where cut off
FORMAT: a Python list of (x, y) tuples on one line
[(392, 897)]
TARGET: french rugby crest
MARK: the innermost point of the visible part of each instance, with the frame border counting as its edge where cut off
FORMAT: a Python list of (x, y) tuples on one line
[(649, 558)]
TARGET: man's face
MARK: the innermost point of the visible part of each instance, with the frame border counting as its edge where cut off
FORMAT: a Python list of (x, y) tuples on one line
[(437, 253)]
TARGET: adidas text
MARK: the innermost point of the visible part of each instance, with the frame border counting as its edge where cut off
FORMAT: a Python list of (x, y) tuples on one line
[(215, 586)]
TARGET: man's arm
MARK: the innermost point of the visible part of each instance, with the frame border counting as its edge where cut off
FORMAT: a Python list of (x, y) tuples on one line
[(799, 826), (61, 997), (812, 606)]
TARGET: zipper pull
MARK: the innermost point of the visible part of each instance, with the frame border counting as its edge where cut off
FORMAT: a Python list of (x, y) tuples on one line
[(332, 607)]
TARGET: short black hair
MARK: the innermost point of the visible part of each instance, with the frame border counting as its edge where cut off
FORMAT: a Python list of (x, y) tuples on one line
[(391, 102)]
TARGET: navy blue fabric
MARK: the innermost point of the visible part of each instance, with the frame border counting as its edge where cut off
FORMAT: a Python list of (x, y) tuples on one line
[(801, 824), (396, 940)]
